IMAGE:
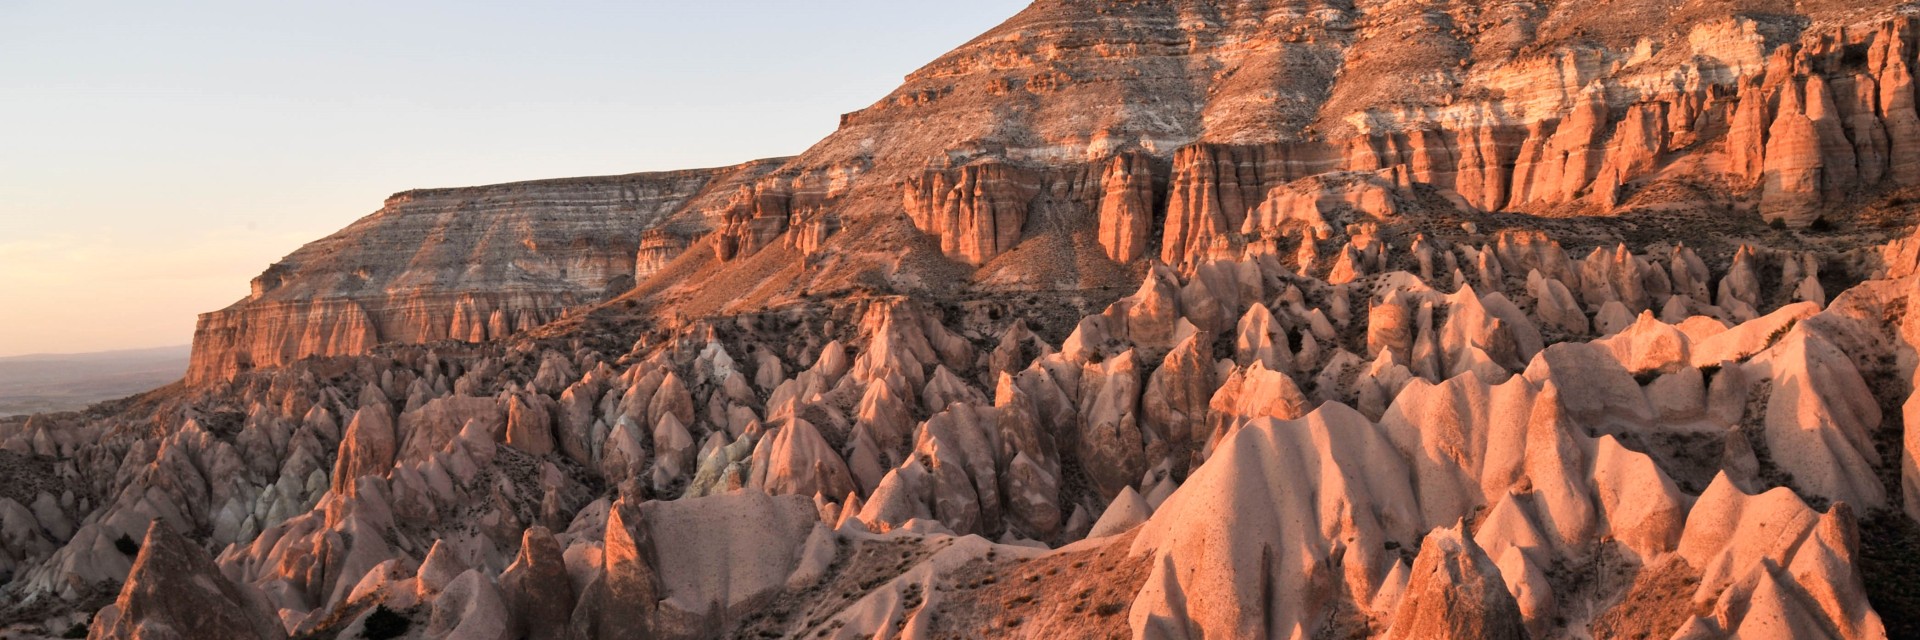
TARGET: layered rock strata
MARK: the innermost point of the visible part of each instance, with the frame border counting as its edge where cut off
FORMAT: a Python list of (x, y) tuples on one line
[(1155, 130), (1418, 460), (469, 264), (1166, 319)]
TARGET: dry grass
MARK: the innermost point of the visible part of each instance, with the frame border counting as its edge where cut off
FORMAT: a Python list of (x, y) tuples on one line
[(1082, 594)]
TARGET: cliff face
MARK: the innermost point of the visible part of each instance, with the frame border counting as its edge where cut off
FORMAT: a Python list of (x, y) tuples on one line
[(469, 264), (1176, 130), (1398, 450), (977, 212), (1791, 111), (1447, 320)]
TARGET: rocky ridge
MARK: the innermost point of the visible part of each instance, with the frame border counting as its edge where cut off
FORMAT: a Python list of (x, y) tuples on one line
[(1155, 319), (858, 457), (1192, 125), (469, 264)]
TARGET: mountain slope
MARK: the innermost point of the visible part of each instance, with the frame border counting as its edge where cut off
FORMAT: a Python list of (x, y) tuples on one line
[(463, 264), (1156, 318)]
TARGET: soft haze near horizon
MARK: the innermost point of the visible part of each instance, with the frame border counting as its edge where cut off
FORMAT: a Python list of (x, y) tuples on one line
[(155, 158)]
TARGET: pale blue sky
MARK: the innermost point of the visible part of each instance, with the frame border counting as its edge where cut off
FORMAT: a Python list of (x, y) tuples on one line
[(154, 157)]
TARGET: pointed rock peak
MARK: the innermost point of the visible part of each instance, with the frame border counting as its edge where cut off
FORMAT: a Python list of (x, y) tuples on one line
[(367, 448), (623, 600), (440, 568), (945, 388), (1016, 332), (1455, 592), (537, 547), (1128, 510), (832, 361), (800, 462), (1192, 362), (176, 591), (1006, 391), (628, 545), (1160, 280), (1649, 345)]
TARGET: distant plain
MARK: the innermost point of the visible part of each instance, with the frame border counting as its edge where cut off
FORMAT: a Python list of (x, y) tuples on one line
[(45, 383)]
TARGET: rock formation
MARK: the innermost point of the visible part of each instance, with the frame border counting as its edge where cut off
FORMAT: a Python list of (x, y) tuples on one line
[(175, 591), (468, 264), (1162, 319)]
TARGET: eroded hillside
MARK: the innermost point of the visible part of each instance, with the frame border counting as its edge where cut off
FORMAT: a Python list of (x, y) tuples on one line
[(1158, 319)]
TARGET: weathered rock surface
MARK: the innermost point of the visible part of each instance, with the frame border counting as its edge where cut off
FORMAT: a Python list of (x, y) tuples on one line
[(175, 591), (1167, 318), (468, 264)]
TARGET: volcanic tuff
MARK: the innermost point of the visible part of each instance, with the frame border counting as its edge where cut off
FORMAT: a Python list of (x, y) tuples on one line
[(1152, 318), (469, 264), (1189, 123)]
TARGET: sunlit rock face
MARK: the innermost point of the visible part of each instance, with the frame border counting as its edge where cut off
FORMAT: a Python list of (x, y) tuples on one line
[(1154, 319), (468, 264), (1084, 131), (1414, 461), (1562, 108)]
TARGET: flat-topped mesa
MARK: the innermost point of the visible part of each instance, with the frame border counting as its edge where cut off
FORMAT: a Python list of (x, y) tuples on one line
[(470, 264), (1094, 118), (1526, 112), (1802, 134), (1342, 399)]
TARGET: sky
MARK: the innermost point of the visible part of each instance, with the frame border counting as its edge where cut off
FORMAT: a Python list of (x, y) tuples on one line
[(154, 157)]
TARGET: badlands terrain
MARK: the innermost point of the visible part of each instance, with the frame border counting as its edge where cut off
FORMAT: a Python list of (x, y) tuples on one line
[(1149, 318)]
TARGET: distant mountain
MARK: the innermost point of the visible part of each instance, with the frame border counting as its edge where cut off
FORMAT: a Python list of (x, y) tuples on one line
[(43, 383)]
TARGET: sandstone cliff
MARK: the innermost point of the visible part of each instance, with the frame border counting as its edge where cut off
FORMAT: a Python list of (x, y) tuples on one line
[(1182, 131), (1161, 319), (1173, 130), (1222, 453), (468, 264)]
